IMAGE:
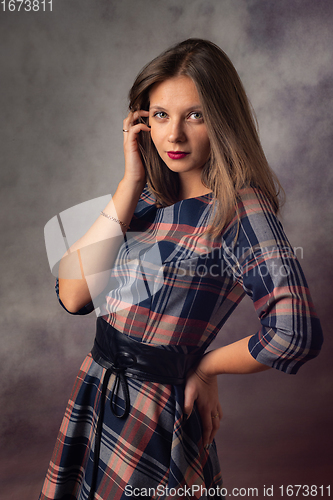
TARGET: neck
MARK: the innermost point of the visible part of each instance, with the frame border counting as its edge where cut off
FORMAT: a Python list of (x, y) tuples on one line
[(192, 188)]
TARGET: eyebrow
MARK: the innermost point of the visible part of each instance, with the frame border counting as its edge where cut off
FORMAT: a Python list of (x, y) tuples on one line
[(190, 108)]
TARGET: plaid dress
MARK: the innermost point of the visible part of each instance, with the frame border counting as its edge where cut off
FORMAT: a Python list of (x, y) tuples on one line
[(173, 287)]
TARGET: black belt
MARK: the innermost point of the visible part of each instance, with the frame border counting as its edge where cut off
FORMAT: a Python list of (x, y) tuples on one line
[(125, 357)]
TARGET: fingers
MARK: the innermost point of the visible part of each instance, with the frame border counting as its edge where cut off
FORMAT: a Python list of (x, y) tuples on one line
[(207, 424), (210, 418), (211, 424), (133, 123), (215, 419), (205, 395), (132, 126)]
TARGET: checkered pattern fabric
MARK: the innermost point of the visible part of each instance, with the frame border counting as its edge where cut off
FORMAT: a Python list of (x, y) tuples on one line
[(178, 298)]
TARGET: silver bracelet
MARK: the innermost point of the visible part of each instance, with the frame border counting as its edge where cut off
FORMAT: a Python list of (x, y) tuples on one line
[(115, 220)]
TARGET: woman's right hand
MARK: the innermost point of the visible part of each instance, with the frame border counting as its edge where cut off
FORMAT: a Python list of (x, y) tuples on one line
[(132, 126), (98, 248)]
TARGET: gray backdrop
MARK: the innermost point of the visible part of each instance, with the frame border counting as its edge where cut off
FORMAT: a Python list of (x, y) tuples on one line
[(65, 75)]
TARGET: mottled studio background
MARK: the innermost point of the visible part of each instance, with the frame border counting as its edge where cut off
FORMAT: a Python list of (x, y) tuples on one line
[(63, 94)]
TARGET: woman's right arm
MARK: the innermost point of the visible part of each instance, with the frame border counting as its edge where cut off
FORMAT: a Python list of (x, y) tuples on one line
[(96, 251)]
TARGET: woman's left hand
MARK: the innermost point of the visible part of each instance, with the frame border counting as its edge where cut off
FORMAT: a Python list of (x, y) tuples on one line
[(204, 390)]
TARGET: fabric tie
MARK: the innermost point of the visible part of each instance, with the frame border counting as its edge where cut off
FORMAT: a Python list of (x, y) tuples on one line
[(123, 360), (124, 357)]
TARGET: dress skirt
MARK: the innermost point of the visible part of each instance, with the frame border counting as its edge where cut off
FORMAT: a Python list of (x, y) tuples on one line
[(154, 453)]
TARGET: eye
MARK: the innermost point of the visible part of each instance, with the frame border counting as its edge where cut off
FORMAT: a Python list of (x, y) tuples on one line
[(160, 114), (196, 115)]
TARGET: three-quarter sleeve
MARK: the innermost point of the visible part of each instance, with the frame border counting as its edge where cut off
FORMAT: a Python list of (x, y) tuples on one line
[(264, 263)]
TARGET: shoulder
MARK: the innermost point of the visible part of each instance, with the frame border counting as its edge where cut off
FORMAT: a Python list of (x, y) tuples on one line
[(147, 197), (145, 210), (252, 201), (252, 204), (146, 201), (255, 221)]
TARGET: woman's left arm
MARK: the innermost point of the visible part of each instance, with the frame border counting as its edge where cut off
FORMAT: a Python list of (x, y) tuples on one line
[(264, 264), (201, 385)]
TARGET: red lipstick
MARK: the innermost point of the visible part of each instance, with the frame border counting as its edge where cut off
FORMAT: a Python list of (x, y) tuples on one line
[(176, 155)]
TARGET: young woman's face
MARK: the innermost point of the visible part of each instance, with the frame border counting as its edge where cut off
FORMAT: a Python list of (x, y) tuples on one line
[(177, 126)]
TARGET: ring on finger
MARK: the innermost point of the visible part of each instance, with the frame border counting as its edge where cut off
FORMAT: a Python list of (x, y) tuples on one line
[(216, 416), (125, 130)]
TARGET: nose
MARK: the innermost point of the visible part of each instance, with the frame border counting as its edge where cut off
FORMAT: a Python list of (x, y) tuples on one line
[(176, 131)]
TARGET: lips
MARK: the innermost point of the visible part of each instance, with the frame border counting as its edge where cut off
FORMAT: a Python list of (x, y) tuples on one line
[(177, 155)]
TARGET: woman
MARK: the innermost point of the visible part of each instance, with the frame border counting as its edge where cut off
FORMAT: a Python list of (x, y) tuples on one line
[(191, 228)]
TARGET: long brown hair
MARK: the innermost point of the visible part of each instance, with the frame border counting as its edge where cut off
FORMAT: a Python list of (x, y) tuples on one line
[(237, 159)]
